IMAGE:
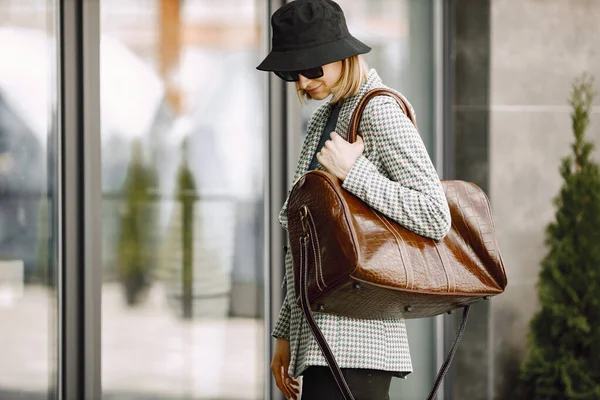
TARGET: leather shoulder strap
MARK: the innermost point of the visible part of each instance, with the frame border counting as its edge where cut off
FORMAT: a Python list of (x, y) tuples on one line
[(357, 114)]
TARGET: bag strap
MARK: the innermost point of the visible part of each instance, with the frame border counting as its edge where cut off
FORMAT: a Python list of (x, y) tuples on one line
[(305, 239), (321, 341), (450, 355), (358, 111)]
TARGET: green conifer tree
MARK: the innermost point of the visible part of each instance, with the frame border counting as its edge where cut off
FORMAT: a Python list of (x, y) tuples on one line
[(186, 196), (135, 250), (564, 340)]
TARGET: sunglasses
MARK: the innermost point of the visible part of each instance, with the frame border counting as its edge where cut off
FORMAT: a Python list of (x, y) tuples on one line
[(293, 76)]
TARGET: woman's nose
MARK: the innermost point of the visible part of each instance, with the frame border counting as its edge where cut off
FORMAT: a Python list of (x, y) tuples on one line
[(303, 81)]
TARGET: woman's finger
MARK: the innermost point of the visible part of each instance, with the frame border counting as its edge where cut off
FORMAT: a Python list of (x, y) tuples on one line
[(325, 152), (292, 384), (321, 157), (279, 381), (290, 393)]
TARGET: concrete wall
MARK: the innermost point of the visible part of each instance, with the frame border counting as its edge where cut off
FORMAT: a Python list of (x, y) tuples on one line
[(537, 48)]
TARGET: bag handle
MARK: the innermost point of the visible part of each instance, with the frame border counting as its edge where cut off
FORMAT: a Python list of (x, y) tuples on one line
[(358, 111)]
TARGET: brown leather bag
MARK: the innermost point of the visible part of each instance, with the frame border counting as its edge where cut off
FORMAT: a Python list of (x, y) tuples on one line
[(353, 261)]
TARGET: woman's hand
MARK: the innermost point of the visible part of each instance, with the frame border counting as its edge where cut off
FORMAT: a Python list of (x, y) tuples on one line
[(338, 156), (279, 368)]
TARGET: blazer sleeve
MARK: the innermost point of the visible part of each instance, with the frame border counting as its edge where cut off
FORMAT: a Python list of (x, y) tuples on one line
[(283, 218), (411, 193)]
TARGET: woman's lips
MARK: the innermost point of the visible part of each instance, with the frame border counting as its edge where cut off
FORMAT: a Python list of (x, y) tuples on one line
[(313, 89)]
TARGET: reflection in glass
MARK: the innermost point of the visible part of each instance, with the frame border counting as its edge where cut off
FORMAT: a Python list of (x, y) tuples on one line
[(182, 138), (27, 208)]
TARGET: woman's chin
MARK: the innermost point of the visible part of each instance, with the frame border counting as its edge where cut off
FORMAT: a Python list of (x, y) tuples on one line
[(318, 95)]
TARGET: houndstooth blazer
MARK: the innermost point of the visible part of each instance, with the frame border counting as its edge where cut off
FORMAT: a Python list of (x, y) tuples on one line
[(395, 176)]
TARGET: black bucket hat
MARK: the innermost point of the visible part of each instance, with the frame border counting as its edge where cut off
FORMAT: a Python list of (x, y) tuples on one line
[(308, 34)]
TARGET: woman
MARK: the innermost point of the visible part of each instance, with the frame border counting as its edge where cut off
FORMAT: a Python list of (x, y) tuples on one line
[(388, 167)]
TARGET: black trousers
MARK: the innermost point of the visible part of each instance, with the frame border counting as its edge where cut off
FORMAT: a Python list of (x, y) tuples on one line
[(365, 384)]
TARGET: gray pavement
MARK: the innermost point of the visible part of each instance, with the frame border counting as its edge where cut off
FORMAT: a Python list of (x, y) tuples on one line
[(148, 352)]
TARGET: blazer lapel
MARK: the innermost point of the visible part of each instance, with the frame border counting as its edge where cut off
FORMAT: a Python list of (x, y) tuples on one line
[(343, 121), (350, 104)]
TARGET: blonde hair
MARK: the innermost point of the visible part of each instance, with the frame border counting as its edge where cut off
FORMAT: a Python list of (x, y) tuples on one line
[(353, 76)]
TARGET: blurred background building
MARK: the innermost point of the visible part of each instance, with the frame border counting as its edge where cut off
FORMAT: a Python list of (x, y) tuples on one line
[(197, 152)]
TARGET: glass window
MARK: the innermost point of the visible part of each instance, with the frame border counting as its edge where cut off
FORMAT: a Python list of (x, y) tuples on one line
[(28, 295), (182, 163)]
